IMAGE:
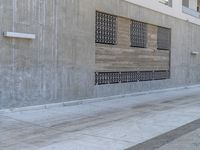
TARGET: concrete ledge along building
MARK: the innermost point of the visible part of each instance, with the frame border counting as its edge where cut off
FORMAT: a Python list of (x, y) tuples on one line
[(54, 51)]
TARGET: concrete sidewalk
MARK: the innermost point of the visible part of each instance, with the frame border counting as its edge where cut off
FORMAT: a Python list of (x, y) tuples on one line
[(115, 124)]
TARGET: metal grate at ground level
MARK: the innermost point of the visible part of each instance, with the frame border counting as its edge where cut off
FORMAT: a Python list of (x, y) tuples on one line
[(130, 76)]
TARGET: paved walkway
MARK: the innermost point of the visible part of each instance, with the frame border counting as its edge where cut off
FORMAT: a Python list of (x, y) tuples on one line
[(126, 123)]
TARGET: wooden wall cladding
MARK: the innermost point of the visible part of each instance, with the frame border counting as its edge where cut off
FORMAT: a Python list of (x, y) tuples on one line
[(123, 33), (123, 57), (152, 36)]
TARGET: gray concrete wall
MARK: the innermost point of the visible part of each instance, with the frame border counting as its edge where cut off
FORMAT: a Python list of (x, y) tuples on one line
[(59, 64)]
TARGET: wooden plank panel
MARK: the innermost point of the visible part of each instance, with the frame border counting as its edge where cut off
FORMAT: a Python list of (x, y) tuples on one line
[(151, 36), (122, 57), (118, 59), (123, 32)]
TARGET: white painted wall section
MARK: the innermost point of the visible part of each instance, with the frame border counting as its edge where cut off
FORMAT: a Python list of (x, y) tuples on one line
[(176, 10), (193, 4)]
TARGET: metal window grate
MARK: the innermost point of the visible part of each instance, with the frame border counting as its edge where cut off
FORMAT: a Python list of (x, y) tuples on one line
[(145, 75), (164, 38), (138, 34), (106, 28), (107, 77), (131, 76)]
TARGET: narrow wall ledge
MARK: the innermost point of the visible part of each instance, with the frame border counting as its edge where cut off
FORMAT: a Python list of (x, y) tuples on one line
[(194, 53), (19, 35)]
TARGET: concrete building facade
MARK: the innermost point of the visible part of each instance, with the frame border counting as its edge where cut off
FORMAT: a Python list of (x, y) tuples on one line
[(58, 57)]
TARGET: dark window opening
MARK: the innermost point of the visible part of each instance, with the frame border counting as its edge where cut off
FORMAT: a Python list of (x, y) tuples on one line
[(164, 38)]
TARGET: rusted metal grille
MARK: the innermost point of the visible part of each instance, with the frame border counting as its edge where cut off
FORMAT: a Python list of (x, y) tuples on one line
[(138, 34), (131, 76), (106, 28), (163, 74), (164, 38)]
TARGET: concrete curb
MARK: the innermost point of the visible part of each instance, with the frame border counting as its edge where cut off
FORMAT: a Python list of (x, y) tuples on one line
[(93, 100)]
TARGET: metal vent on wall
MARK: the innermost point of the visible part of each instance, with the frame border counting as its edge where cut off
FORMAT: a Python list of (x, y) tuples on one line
[(164, 38), (107, 77), (131, 76), (145, 76), (138, 34), (106, 28)]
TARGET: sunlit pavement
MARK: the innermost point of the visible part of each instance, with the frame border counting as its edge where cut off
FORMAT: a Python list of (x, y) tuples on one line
[(134, 122)]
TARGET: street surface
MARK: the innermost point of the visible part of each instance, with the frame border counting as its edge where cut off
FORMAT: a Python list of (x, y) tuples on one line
[(164, 121)]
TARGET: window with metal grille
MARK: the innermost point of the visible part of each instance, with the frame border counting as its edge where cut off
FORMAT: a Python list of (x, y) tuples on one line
[(138, 34), (130, 76), (106, 28), (145, 75), (107, 77), (164, 38)]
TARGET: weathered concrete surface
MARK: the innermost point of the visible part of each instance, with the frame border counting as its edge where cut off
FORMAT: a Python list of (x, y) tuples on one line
[(59, 64), (182, 138), (190, 141), (116, 124), (185, 137)]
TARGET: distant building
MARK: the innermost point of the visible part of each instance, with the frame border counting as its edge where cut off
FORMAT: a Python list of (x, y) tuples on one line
[(54, 51)]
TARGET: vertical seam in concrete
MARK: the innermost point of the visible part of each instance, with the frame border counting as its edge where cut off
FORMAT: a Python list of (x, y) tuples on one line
[(52, 51), (42, 53), (39, 37), (13, 50), (189, 49), (41, 40), (56, 50)]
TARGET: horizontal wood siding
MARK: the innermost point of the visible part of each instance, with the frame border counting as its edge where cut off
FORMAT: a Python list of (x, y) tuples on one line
[(122, 57), (123, 34), (152, 37)]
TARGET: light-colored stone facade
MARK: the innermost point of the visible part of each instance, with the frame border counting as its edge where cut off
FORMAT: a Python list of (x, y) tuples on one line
[(59, 65)]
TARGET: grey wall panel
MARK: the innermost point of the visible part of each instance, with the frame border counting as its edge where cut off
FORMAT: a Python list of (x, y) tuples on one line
[(59, 64)]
